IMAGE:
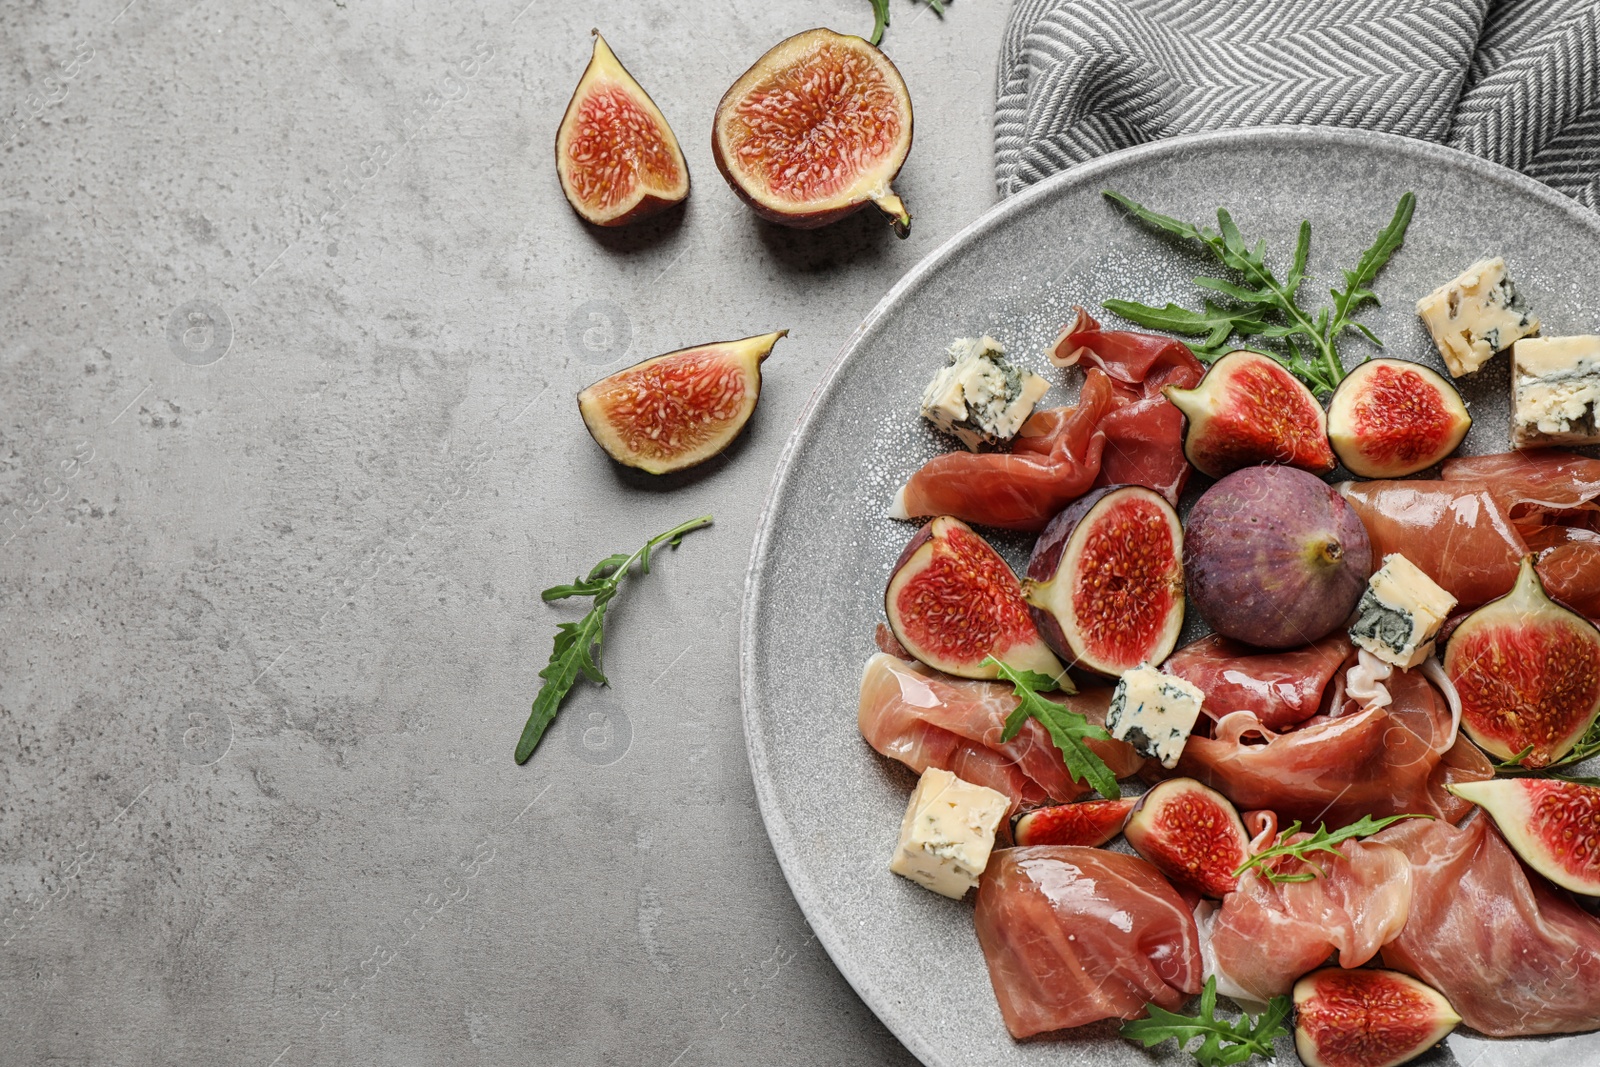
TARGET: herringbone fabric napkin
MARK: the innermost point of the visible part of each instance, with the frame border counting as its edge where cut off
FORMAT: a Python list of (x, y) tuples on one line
[(1515, 81)]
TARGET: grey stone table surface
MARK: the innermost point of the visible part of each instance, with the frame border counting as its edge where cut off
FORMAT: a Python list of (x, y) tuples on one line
[(292, 314)]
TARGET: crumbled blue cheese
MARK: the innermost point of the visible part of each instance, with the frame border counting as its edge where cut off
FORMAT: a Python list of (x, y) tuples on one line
[(948, 833), (1555, 387), (979, 396), (1154, 713), (1400, 613), (1473, 316)]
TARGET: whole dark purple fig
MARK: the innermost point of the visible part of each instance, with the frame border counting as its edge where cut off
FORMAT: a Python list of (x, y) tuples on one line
[(1272, 556)]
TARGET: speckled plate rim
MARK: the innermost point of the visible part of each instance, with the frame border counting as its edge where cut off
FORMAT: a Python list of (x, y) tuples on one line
[(779, 831)]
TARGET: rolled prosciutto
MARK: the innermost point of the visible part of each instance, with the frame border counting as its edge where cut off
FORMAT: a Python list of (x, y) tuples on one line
[(1072, 935)]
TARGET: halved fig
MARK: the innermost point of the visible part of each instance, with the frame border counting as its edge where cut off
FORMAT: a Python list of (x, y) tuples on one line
[(1553, 825), (1247, 410), (615, 154), (1392, 417), (1091, 823), (680, 409), (1528, 673), (815, 130), (1105, 581), (1274, 557), (953, 602), (1367, 1018), (1192, 833)]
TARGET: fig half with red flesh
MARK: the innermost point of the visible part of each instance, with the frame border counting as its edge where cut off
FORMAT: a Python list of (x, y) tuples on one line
[(1274, 557), (615, 154), (680, 409), (1248, 409), (1105, 581), (1392, 417), (1528, 673), (1367, 1018), (1192, 833), (953, 601), (816, 130), (1553, 825), (1091, 823)]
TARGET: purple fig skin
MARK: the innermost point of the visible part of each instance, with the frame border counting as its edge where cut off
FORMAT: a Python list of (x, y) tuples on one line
[(1045, 564), (1274, 557), (1046, 557)]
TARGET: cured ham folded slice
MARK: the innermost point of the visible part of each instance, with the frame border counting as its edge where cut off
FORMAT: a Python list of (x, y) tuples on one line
[(1267, 935), (1281, 689), (1469, 530), (1072, 935), (1144, 432), (1053, 461), (1389, 760), (926, 719), (1121, 431), (1457, 533), (1513, 955)]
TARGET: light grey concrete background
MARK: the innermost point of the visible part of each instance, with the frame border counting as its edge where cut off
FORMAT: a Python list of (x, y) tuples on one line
[(292, 314)]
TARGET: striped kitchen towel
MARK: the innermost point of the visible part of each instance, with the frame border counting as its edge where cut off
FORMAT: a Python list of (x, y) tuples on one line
[(1515, 81)]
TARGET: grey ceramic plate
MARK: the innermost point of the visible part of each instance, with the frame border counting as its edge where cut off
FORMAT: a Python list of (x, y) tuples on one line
[(832, 806)]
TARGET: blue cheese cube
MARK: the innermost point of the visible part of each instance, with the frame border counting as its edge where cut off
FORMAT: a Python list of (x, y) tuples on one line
[(979, 397), (1400, 613), (948, 833), (1476, 315), (1555, 386), (1154, 712)]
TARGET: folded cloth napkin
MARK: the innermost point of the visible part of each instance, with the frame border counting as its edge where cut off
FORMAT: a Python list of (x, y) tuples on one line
[(1515, 81)]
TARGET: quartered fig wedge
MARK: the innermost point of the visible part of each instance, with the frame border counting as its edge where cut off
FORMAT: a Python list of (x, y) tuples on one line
[(615, 154), (816, 130), (680, 409), (1367, 1018), (1091, 823), (1105, 582), (1192, 833), (1392, 417), (1528, 673), (1247, 410), (1553, 825), (952, 602), (1274, 557)]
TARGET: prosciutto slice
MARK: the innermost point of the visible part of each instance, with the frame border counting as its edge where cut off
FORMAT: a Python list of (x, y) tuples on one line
[(1469, 530), (1457, 533), (1072, 935), (1266, 936), (1513, 955), (1144, 432), (926, 719), (1281, 689), (1369, 760), (1121, 431)]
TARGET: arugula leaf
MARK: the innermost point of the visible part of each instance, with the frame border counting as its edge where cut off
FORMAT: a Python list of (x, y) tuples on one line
[(880, 17), (1323, 840), (1068, 729), (578, 645), (1222, 1042), (1264, 296)]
